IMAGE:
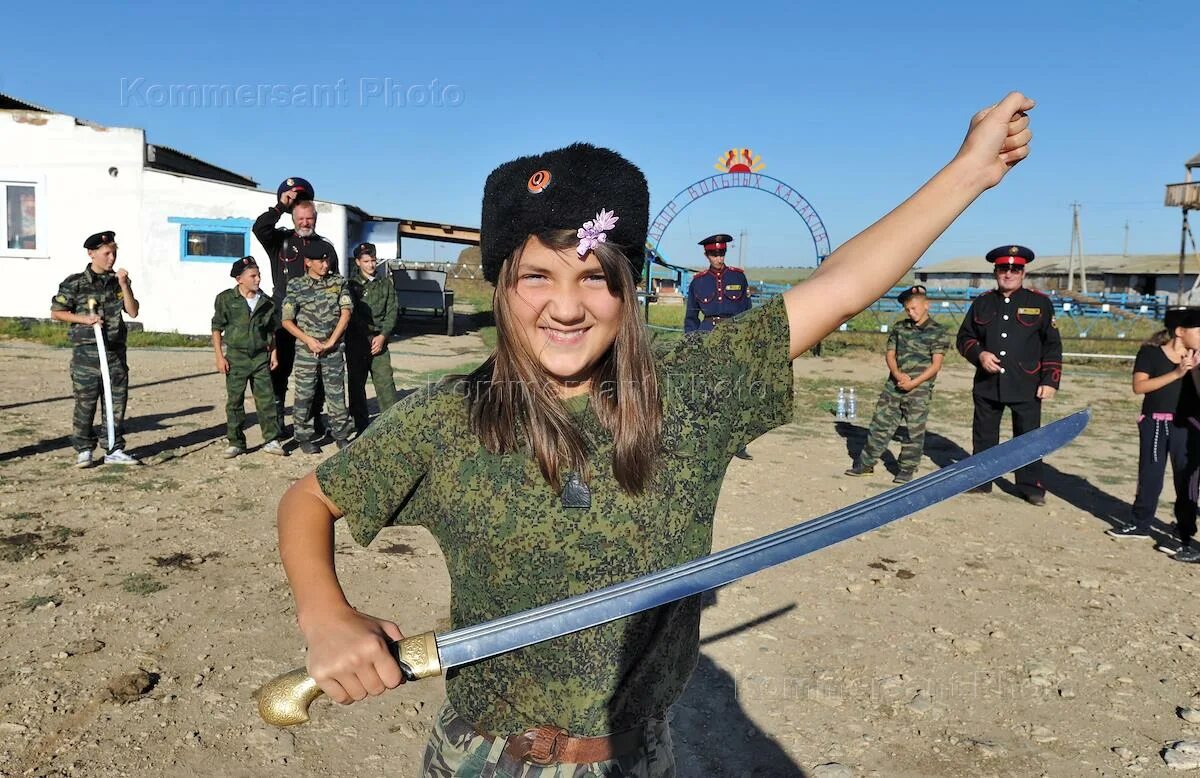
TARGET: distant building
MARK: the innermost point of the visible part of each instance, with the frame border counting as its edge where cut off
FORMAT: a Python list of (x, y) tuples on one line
[(179, 220), (1136, 274)]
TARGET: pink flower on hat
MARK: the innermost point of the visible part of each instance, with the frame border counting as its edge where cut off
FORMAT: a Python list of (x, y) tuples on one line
[(592, 233)]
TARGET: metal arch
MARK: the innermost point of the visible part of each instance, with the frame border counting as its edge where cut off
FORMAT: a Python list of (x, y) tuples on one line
[(775, 187)]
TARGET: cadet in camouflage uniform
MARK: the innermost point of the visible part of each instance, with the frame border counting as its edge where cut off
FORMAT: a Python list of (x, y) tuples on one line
[(111, 295), (317, 312), (244, 324), (536, 487), (371, 325), (915, 348)]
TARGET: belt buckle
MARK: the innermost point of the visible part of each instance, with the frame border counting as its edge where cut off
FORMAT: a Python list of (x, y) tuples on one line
[(544, 744)]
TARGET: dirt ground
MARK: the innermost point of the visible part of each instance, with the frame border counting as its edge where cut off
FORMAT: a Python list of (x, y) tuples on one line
[(141, 608)]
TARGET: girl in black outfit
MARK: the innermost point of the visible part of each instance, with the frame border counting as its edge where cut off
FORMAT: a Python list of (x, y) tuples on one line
[(1168, 426)]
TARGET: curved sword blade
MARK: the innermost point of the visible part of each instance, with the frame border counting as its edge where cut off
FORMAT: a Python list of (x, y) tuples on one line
[(518, 630)]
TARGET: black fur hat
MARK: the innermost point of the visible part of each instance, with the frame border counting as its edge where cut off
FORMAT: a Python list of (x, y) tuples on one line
[(1181, 316), (562, 189)]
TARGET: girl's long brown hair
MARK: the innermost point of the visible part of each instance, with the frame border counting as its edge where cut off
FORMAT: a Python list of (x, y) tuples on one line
[(513, 403)]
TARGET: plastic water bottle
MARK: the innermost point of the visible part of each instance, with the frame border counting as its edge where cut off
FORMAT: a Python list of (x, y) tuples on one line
[(851, 407), (841, 402)]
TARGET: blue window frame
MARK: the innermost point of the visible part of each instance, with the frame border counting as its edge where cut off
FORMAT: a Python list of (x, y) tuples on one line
[(212, 240)]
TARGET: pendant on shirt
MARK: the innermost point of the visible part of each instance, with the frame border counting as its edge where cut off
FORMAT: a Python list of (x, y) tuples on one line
[(576, 493)]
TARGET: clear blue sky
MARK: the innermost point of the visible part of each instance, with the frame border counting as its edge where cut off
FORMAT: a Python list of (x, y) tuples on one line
[(853, 104)]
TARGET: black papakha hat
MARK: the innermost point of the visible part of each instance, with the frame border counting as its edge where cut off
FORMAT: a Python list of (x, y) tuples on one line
[(94, 242), (1181, 316), (560, 190), (909, 293), (241, 265)]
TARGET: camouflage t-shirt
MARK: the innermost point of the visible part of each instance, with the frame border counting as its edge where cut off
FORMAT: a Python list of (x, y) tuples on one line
[(73, 295), (316, 303), (915, 346), (510, 545)]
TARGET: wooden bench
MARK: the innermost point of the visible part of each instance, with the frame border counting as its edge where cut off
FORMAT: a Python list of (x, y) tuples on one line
[(425, 292)]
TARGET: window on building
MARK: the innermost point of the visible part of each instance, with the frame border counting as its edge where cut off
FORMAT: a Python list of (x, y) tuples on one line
[(205, 243), (212, 240), (18, 224)]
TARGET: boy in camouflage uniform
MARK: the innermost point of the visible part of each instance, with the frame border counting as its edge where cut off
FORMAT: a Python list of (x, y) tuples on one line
[(371, 325), (97, 295), (244, 323), (316, 312), (915, 349)]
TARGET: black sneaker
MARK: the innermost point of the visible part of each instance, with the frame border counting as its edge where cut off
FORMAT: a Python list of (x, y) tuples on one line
[(981, 489), (1034, 499), (860, 470), (742, 453), (1188, 554), (903, 477), (310, 448), (340, 443), (1127, 531)]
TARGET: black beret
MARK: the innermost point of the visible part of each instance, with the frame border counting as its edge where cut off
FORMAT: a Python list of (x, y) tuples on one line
[(1010, 255), (94, 242), (365, 248), (910, 293), (303, 189), (315, 249), (1182, 316), (240, 265), (560, 190)]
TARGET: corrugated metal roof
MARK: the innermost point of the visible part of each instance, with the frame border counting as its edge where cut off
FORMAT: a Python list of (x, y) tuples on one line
[(1151, 264), (1193, 162), (10, 103), (196, 167)]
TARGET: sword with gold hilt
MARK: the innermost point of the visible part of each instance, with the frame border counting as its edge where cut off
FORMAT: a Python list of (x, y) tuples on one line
[(284, 701), (106, 379)]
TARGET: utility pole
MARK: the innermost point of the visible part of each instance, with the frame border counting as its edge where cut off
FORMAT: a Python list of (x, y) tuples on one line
[(741, 247), (1076, 243), (1125, 250)]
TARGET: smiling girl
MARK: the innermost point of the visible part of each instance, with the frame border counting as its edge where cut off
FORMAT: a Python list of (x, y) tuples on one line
[(575, 457)]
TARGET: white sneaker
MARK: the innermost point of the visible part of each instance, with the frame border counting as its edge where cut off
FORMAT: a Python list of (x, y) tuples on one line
[(233, 451), (119, 457), (83, 459), (276, 448)]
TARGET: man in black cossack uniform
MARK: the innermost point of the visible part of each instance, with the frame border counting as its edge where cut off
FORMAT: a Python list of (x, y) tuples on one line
[(284, 248), (1010, 335)]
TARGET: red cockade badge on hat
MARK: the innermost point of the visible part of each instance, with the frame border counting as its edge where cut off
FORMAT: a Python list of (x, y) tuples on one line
[(539, 181)]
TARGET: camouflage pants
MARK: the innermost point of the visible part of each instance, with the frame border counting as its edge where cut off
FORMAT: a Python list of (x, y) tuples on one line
[(360, 364), (456, 749), (893, 411), (88, 387), (329, 370), (253, 369)]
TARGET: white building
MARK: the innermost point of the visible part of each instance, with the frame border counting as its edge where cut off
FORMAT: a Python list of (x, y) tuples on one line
[(179, 221)]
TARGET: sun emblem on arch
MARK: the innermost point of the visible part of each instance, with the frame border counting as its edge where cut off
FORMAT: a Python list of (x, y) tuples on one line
[(739, 161)]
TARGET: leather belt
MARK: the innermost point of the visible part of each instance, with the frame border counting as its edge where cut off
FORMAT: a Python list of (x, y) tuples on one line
[(548, 744)]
